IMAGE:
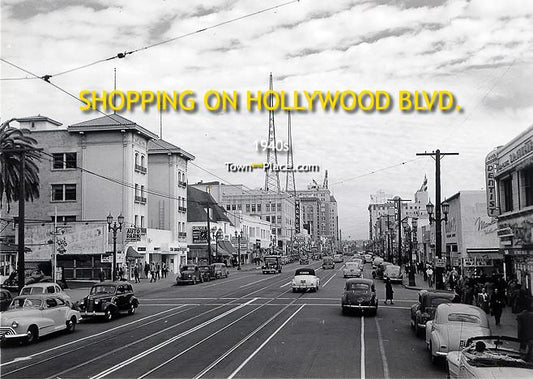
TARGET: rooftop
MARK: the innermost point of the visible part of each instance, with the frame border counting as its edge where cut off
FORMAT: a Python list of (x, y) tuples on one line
[(110, 122)]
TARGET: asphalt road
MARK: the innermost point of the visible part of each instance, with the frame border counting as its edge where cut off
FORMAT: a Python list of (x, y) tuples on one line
[(249, 325)]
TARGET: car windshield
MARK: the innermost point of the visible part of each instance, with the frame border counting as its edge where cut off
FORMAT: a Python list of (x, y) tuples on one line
[(393, 269), (464, 317), (98, 290), (187, 268), (24, 302), (32, 291), (358, 287)]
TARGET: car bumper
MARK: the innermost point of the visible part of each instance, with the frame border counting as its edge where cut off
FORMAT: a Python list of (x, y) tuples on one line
[(303, 286), (184, 281), (358, 306), (91, 314), (270, 271), (7, 333), (441, 354), (352, 275)]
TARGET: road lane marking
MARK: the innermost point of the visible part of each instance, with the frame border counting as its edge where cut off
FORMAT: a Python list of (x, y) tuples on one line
[(159, 346), (362, 347), (283, 285), (263, 344), (92, 336), (257, 281), (226, 281), (382, 352)]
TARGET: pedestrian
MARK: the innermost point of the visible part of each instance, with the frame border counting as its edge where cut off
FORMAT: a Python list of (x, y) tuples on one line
[(146, 269), (152, 272), (483, 300), (136, 274), (158, 271), (469, 292), (429, 273), (101, 274), (388, 291), (496, 305), (525, 328), (164, 268)]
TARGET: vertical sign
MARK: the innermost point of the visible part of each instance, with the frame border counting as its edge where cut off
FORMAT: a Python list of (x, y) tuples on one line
[(297, 216), (490, 171)]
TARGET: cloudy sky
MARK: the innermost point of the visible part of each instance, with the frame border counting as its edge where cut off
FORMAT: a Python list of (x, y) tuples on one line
[(480, 50)]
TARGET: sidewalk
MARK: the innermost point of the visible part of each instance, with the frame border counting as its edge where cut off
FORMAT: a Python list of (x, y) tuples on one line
[(419, 280)]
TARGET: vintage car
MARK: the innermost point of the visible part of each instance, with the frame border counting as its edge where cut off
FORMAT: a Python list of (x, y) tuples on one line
[(394, 273), (368, 258), (45, 288), (305, 279), (359, 294), (378, 272), (338, 258), (376, 262), (327, 262), (490, 357), (352, 269), (5, 299), (220, 270), (452, 326), (304, 260), (108, 299), (189, 274), (206, 273), (272, 264), (32, 316), (424, 310)]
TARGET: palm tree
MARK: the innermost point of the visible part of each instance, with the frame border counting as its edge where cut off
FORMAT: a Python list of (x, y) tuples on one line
[(12, 142)]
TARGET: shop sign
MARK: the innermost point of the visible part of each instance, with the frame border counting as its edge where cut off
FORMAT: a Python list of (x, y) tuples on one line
[(133, 235), (490, 171), (199, 234), (106, 258)]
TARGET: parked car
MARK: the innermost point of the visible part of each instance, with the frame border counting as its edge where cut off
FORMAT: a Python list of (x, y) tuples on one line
[(305, 279), (490, 357), (359, 294), (394, 273), (338, 258), (378, 273), (272, 264), (206, 273), (376, 262), (42, 288), (189, 274), (108, 299), (352, 269), (452, 326), (327, 262), (220, 270), (5, 299), (424, 310), (32, 316)]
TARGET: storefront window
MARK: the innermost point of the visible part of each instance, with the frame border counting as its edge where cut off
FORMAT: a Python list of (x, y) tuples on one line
[(507, 194), (527, 179)]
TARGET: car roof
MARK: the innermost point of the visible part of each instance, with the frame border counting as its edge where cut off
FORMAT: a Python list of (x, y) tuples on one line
[(37, 296), (309, 271), (437, 293), (40, 284), (360, 280), (109, 283), (448, 308)]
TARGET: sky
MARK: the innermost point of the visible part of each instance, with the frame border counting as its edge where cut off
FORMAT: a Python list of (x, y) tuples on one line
[(479, 50)]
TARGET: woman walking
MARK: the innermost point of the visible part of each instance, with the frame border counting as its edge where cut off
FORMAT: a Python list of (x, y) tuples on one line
[(496, 305), (388, 291)]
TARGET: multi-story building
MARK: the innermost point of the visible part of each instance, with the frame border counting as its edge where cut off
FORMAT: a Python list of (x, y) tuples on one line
[(256, 235), (310, 216), (509, 190)]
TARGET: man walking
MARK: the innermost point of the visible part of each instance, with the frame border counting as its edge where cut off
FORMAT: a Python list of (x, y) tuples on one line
[(429, 273), (158, 271), (496, 305), (152, 273), (136, 274), (146, 269), (388, 291)]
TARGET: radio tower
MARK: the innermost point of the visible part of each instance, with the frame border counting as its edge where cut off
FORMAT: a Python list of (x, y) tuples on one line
[(271, 176), (290, 183)]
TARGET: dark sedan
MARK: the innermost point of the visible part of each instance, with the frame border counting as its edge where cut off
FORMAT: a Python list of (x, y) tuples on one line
[(189, 274), (108, 299), (359, 294), (424, 310), (5, 299)]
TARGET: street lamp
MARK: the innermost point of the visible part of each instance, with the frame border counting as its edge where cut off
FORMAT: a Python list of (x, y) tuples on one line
[(239, 236), (444, 208), (216, 235), (113, 227)]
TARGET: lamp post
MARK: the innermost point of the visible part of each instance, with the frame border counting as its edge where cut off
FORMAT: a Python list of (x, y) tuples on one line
[(217, 233), (113, 227), (239, 236), (444, 207)]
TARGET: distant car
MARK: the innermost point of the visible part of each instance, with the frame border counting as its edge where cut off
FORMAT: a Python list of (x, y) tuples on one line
[(305, 279), (368, 258), (358, 260), (220, 270), (394, 273), (338, 258), (304, 260), (352, 269), (189, 274), (424, 310), (32, 316), (328, 262), (378, 272), (43, 288), (5, 299), (490, 357), (360, 294), (376, 262), (206, 273), (452, 326), (108, 299), (272, 264)]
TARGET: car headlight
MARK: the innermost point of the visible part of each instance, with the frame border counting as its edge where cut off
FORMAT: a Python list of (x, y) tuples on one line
[(14, 324)]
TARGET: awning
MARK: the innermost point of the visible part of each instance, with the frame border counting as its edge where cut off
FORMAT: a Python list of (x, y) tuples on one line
[(485, 253), (132, 253), (227, 246)]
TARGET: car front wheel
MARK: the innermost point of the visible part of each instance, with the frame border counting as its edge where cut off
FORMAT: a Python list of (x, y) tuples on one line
[(71, 324), (32, 334), (108, 315), (131, 311)]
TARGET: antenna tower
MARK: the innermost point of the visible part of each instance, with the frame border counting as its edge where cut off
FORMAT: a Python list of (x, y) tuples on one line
[(271, 176), (290, 182)]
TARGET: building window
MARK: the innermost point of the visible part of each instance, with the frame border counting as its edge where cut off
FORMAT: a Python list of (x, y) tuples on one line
[(247, 208), (507, 194), (136, 221), (63, 161), (64, 219), (136, 159), (142, 221), (136, 190), (228, 207), (253, 207), (268, 207), (527, 179), (259, 207), (233, 207), (63, 192), (268, 218), (142, 160), (279, 207), (239, 207)]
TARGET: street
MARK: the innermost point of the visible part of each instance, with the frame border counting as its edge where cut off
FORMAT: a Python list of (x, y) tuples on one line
[(248, 325)]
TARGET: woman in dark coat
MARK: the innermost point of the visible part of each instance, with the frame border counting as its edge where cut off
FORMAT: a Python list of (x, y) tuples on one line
[(496, 305), (388, 291)]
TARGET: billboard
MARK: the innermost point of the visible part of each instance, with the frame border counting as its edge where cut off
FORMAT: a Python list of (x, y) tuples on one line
[(199, 234)]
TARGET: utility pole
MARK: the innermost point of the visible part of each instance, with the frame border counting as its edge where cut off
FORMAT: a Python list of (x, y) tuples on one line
[(398, 200), (437, 156), (208, 236), (22, 203)]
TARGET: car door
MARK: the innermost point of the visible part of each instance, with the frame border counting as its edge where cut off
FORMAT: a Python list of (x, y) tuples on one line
[(121, 297), (52, 317)]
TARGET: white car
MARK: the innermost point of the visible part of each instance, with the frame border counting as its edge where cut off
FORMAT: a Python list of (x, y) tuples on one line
[(305, 279), (44, 288), (352, 269), (33, 316), (490, 357), (376, 262), (452, 326), (338, 258)]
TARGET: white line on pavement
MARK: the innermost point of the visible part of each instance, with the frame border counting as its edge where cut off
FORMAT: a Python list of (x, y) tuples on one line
[(283, 285), (93, 335), (382, 352), (167, 342), (257, 281), (362, 347), (263, 344), (226, 281)]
